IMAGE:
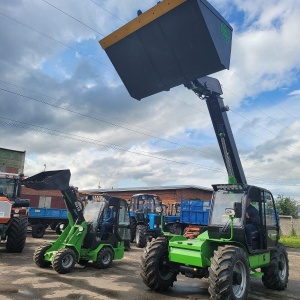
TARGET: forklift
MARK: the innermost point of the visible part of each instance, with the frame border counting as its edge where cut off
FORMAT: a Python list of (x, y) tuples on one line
[(180, 43), (85, 239)]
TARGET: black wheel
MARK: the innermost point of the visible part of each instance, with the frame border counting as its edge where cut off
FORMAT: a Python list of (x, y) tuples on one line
[(276, 275), (176, 229), (127, 245), (38, 231), (53, 226), (229, 275), (141, 236), (104, 258), (132, 229), (16, 235), (156, 270), (38, 256), (64, 260)]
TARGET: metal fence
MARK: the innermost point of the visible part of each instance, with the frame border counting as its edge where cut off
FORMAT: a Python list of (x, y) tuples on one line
[(289, 224)]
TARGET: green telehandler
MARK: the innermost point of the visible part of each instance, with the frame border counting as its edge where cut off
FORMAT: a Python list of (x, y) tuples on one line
[(181, 42), (88, 236)]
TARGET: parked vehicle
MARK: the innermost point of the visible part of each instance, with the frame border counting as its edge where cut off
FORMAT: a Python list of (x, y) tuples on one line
[(145, 221), (87, 236), (13, 213), (40, 218), (162, 56)]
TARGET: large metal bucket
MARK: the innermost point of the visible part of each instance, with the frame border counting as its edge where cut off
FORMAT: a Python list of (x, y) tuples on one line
[(49, 180), (173, 43)]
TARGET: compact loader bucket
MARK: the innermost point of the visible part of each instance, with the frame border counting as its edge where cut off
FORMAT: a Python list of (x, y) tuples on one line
[(172, 43), (49, 180)]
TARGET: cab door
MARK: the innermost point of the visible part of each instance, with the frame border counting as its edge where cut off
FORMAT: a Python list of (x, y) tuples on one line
[(124, 221), (271, 219)]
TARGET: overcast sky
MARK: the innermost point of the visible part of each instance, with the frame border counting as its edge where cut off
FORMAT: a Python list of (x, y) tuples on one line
[(64, 104)]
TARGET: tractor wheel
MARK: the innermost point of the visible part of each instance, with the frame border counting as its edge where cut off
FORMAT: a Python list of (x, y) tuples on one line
[(132, 229), (53, 226), (276, 275), (64, 260), (229, 275), (141, 236), (16, 235), (176, 229), (157, 272), (38, 256), (104, 258), (38, 231)]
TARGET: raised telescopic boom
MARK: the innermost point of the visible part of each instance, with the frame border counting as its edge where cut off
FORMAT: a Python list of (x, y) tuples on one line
[(209, 89)]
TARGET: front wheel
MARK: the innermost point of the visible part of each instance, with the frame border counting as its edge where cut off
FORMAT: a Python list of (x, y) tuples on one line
[(276, 275), (157, 272), (39, 256), (141, 236), (17, 233), (229, 274), (64, 260), (38, 231), (104, 258)]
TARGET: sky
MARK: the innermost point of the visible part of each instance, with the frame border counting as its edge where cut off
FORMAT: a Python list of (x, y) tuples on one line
[(63, 102)]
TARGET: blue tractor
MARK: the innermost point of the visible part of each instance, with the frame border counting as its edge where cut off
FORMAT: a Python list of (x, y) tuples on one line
[(145, 220)]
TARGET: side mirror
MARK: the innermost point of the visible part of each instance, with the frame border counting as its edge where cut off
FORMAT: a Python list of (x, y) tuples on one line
[(238, 209)]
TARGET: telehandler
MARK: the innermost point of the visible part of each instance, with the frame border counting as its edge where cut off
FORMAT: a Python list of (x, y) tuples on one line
[(181, 42)]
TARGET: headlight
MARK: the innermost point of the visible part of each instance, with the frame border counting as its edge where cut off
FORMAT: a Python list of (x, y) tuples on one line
[(17, 211)]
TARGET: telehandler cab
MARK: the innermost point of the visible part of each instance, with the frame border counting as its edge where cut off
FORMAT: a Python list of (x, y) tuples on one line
[(174, 43), (84, 239)]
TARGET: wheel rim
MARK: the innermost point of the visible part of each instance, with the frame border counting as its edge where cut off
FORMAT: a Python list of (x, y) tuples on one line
[(239, 281), (282, 266), (106, 258), (67, 261), (164, 266)]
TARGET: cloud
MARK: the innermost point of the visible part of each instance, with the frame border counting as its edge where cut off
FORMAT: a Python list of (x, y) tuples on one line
[(63, 102)]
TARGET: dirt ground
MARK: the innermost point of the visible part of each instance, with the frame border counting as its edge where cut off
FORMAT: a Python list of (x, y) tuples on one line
[(22, 279)]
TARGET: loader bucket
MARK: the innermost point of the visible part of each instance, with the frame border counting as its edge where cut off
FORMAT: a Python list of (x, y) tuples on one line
[(49, 180), (171, 44)]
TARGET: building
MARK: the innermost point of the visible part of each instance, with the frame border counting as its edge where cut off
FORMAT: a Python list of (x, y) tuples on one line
[(168, 194), (12, 161)]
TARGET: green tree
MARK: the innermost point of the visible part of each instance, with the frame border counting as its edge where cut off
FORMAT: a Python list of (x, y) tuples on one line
[(286, 206)]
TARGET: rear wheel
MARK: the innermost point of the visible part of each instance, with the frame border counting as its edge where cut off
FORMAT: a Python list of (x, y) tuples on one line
[(104, 258), (132, 229), (64, 260), (229, 274), (38, 230), (276, 275), (141, 236), (39, 254), (157, 272), (17, 233)]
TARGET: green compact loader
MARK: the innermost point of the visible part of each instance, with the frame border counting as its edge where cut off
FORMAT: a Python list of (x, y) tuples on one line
[(88, 236)]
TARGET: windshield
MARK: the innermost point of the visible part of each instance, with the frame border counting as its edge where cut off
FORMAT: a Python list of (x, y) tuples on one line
[(93, 210), (7, 188), (223, 199)]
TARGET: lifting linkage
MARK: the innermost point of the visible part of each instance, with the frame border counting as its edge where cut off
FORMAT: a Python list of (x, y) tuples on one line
[(209, 89), (58, 180)]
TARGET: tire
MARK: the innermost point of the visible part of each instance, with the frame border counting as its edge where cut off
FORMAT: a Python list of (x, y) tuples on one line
[(16, 235), (132, 229), (156, 270), (229, 275), (38, 231), (176, 229), (53, 226), (276, 275), (38, 256), (141, 236), (104, 258), (64, 260), (127, 245)]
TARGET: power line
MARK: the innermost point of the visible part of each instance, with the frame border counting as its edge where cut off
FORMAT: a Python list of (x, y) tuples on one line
[(45, 130)]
